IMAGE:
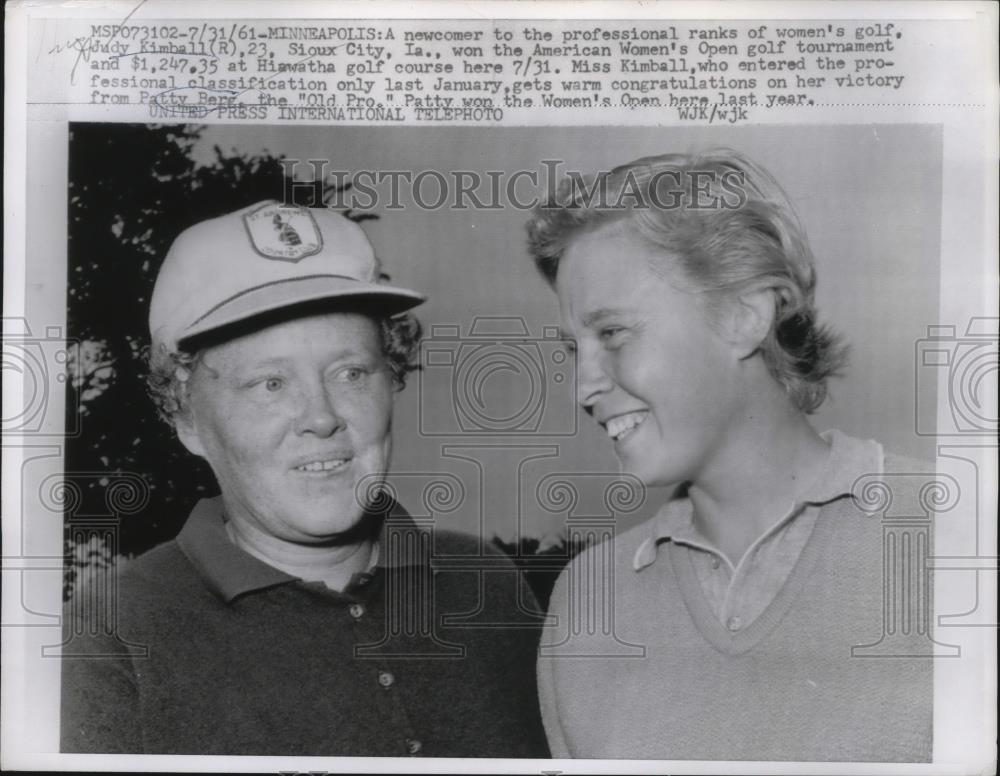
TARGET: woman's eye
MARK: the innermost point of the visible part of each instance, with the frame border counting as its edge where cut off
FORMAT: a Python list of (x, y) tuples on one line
[(608, 332), (351, 374), (273, 384)]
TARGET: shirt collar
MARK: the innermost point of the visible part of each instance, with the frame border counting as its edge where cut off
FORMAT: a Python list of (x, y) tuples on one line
[(230, 572), (850, 459)]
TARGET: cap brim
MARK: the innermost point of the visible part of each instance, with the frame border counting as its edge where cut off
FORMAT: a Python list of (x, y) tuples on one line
[(272, 297)]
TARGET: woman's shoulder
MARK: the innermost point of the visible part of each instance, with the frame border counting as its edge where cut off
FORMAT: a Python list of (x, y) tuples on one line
[(621, 551), (900, 463)]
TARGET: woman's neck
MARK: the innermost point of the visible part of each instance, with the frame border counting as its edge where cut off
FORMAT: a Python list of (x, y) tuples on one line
[(770, 457), (333, 565)]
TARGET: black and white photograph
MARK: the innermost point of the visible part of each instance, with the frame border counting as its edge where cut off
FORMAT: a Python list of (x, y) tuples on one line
[(388, 430)]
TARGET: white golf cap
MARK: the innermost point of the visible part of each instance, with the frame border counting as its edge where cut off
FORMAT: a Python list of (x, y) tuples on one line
[(261, 259)]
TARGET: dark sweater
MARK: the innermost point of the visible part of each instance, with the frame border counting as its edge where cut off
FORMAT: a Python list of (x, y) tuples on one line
[(430, 654)]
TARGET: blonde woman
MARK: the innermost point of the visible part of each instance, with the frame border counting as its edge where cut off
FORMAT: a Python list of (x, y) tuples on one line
[(686, 287)]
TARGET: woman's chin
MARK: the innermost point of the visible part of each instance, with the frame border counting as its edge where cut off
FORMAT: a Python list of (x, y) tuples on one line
[(650, 476)]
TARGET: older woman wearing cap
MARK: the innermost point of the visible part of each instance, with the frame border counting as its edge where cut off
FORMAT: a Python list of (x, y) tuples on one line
[(742, 609), (297, 613)]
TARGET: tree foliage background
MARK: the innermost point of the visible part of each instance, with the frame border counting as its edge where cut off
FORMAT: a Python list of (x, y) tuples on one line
[(132, 189)]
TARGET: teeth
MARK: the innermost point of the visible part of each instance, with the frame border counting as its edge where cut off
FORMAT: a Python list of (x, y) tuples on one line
[(323, 466), (618, 428)]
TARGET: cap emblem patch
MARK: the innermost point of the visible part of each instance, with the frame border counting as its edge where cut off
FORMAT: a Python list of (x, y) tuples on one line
[(283, 232)]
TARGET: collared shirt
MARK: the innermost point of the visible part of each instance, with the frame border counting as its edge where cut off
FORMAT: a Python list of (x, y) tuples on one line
[(373, 556), (230, 571), (739, 594), (636, 664), (213, 651)]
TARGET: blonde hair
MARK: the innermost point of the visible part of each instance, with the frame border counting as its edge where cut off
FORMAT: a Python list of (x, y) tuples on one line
[(723, 227)]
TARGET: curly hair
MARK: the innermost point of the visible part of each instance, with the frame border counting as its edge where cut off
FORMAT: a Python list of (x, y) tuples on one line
[(731, 230), (169, 370)]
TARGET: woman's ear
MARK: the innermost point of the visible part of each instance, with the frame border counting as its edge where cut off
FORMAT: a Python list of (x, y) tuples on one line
[(750, 318), (187, 432), (185, 423)]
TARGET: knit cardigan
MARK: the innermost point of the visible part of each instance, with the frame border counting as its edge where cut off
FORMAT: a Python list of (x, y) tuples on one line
[(216, 653)]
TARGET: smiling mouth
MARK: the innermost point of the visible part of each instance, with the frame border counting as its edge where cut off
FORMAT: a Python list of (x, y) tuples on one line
[(323, 467), (621, 426)]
